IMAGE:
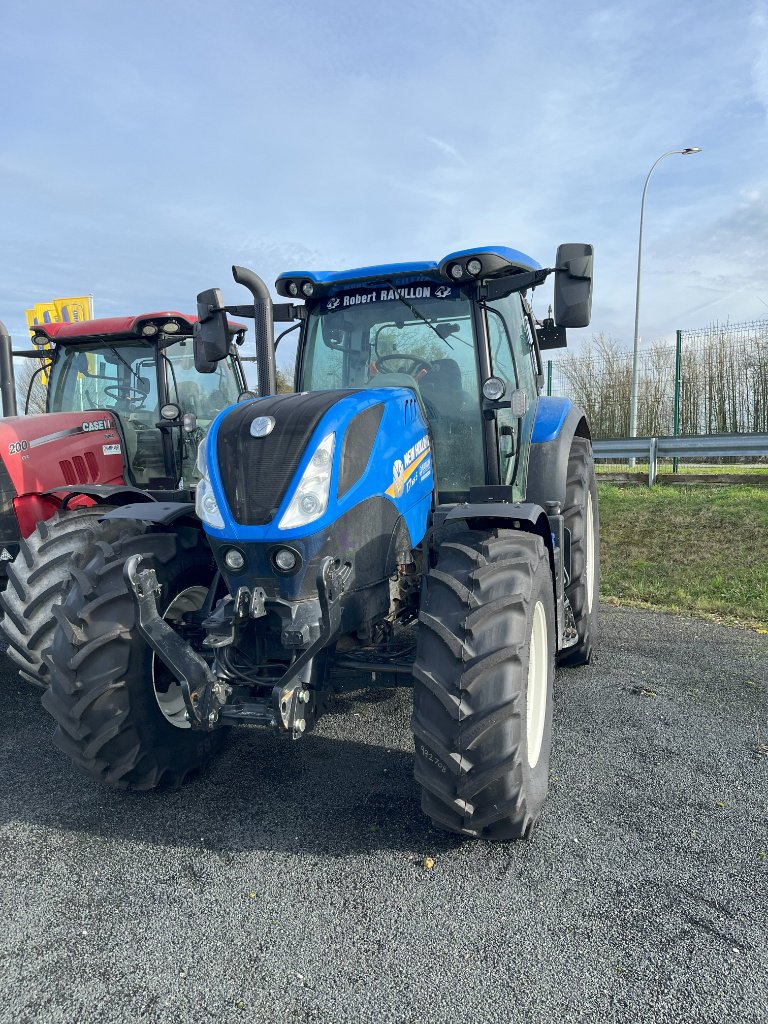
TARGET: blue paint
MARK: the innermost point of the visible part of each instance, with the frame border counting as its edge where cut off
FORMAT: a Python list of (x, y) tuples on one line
[(550, 417), (518, 259), (422, 269), (402, 429), (383, 270)]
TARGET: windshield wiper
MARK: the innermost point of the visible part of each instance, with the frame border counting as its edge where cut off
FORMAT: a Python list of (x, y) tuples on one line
[(125, 363), (416, 313)]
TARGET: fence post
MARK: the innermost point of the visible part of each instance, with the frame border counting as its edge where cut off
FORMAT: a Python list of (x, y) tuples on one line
[(678, 383), (652, 461), (549, 378)]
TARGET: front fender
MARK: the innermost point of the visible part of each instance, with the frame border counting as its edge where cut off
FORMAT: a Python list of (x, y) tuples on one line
[(558, 421)]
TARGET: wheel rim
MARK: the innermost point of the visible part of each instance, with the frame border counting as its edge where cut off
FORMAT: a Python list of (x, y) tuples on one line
[(538, 673), (590, 553), (167, 689)]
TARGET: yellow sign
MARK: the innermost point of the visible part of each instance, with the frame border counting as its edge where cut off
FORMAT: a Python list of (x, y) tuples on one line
[(73, 310), (68, 310), (46, 313)]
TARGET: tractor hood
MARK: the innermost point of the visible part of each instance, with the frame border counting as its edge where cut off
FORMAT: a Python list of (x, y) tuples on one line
[(289, 466), (63, 449)]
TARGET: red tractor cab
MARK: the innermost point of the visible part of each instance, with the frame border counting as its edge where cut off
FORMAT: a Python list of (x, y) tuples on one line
[(126, 409)]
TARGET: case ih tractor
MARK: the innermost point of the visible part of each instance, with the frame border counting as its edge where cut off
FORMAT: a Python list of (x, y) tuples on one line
[(414, 514), (125, 412)]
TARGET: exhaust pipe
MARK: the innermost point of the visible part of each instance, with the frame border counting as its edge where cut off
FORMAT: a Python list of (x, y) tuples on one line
[(7, 378), (263, 328)]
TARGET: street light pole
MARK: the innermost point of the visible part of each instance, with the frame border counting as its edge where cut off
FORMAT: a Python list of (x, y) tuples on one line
[(636, 346)]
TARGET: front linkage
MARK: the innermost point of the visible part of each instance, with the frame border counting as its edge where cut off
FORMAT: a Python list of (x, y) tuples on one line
[(292, 704)]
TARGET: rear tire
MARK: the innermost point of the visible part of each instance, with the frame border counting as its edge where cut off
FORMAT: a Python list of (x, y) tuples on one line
[(37, 580), (102, 694), (580, 516), (482, 707)]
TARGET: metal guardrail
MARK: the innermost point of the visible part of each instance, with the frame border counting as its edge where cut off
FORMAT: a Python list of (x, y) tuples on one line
[(655, 448)]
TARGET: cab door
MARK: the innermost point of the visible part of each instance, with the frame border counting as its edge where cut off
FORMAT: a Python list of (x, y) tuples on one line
[(513, 358)]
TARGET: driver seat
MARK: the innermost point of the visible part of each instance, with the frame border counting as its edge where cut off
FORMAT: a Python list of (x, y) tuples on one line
[(442, 386)]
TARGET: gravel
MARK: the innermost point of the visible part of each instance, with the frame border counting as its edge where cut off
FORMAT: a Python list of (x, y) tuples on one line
[(288, 883)]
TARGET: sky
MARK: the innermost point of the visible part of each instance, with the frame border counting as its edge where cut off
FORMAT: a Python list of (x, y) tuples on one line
[(146, 147)]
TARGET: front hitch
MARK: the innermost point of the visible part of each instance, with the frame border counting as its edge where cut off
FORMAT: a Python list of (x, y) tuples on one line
[(291, 699), (198, 684), (293, 704)]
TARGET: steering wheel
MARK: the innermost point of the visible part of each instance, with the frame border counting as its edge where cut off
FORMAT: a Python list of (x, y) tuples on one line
[(126, 391), (417, 362)]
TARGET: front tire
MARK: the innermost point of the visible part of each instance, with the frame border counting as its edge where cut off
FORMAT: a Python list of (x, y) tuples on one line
[(109, 696), (483, 675), (37, 580)]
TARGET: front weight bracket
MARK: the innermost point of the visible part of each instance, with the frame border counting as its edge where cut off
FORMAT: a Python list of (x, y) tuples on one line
[(195, 677)]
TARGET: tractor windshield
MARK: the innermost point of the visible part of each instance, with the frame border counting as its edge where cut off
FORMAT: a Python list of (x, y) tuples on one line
[(120, 376), (124, 376), (413, 335)]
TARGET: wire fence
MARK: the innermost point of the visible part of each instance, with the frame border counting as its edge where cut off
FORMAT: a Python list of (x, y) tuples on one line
[(712, 381)]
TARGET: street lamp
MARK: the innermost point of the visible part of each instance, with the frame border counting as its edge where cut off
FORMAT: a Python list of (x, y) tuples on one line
[(633, 396)]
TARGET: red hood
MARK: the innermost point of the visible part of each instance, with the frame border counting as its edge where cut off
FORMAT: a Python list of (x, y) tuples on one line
[(61, 449)]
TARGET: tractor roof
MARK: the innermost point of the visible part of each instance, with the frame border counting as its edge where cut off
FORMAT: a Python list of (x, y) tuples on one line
[(512, 259), (122, 327)]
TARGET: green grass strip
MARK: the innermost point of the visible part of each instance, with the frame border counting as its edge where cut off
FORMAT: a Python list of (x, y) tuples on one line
[(697, 549)]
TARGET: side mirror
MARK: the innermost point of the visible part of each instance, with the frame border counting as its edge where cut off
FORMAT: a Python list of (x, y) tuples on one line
[(573, 285), (211, 332)]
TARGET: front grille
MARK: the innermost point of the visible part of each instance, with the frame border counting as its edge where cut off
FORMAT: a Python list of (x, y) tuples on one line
[(79, 470), (257, 471)]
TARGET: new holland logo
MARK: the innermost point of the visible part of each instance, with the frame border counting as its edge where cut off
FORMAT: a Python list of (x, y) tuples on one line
[(403, 470), (398, 478)]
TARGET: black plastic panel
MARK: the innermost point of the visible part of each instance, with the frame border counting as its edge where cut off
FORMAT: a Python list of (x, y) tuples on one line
[(357, 447)]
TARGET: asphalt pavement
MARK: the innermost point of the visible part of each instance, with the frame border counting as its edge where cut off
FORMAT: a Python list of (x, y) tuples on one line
[(289, 883)]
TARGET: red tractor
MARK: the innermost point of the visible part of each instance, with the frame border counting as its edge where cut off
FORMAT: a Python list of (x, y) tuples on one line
[(126, 408)]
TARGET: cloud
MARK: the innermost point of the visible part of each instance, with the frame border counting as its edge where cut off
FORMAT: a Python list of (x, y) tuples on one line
[(448, 149)]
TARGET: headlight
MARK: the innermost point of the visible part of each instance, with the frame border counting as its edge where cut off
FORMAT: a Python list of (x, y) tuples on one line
[(202, 458), (311, 497), (206, 505), (494, 389)]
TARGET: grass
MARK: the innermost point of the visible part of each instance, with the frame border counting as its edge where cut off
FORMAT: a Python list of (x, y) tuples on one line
[(701, 550), (666, 467)]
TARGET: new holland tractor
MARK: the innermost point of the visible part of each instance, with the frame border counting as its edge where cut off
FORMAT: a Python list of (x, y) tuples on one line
[(415, 514), (125, 412)]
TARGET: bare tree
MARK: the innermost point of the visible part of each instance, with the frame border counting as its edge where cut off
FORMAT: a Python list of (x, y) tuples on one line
[(724, 383), (29, 381)]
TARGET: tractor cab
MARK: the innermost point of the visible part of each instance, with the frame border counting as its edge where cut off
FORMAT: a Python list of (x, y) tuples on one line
[(460, 332), (142, 369)]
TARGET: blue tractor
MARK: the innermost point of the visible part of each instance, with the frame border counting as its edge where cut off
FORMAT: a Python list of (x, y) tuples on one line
[(416, 513)]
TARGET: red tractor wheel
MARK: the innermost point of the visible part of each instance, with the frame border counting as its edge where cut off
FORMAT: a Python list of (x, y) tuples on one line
[(37, 580)]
